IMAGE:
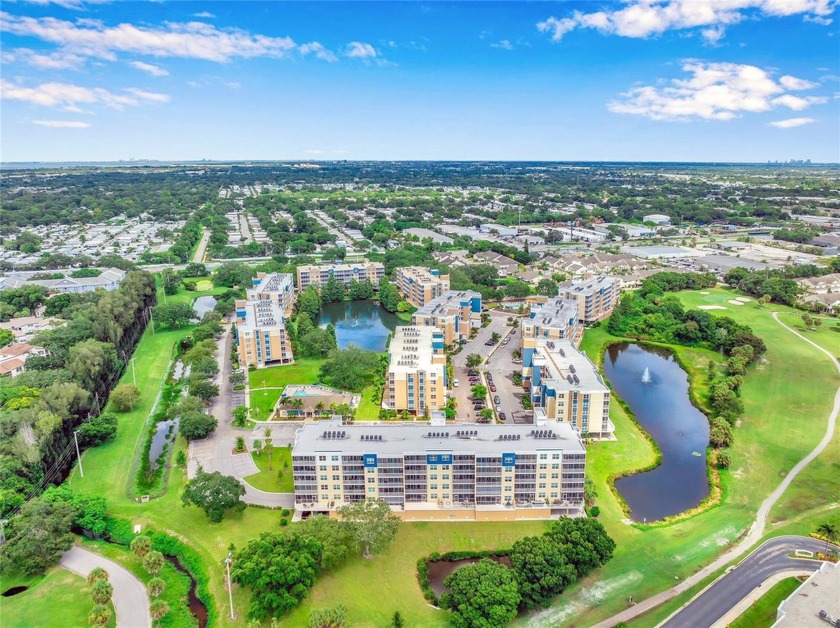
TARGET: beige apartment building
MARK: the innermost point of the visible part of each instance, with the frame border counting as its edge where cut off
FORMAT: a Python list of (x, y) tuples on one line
[(261, 335), (316, 275), (503, 472), (416, 379), (454, 313), (420, 285), (566, 387), (596, 297), (553, 319)]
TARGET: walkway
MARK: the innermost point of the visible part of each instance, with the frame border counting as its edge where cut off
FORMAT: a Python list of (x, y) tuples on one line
[(131, 602), (757, 529), (215, 453)]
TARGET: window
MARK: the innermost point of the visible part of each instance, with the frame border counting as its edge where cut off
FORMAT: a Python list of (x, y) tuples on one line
[(323, 467), (337, 487), (336, 478), (322, 458), (372, 489), (324, 477)]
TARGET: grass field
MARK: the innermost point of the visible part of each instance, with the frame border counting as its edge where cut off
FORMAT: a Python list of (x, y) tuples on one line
[(368, 409), (267, 384), (58, 599), (266, 480), (762, 614)]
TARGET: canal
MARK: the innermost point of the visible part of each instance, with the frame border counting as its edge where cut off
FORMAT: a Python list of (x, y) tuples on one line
[(362, 323), (655, 387)]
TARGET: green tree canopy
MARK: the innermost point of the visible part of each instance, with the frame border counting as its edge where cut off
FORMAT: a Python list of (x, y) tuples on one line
[(542, 570), (38, 536), (482, 595), (215, 494), (372, 524), (351, 368)]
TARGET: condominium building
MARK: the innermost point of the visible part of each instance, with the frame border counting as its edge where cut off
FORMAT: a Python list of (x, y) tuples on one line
[(464, 472), (417, 371), (315, 275), (454, 313), (420, 285), (108, 279), (596, 297), (554, 319), (566, 387), (261, 335)]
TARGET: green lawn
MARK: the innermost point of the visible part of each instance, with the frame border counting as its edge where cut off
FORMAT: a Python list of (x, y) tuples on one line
[(267, 480), (58, 599), (762, 613), (368, 409), (275, 379)]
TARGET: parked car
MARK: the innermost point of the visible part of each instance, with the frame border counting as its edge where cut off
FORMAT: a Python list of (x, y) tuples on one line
[(472, 373), (489, 343), (502, 416), (455, 383), (497, 400), (489, 378), (492, 388)]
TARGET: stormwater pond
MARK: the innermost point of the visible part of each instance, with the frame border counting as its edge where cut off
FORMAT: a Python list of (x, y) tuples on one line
[(362, 323), (655, 387)]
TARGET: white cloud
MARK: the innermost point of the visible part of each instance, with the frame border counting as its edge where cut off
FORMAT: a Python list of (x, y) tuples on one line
[(713, 34), (318, 50), (150, 68), (193, 40), (791, 123), (76, 5), (504, 44), (646, 18), (714, 91), (58, 60), (822, 21), (62, 124), (360, 50), (68, 97), (205, 15)]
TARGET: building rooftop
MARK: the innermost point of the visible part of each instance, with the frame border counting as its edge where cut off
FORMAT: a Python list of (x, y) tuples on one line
[(817, 593), (420, 438), (447, 303), (555, 312), (588, 286), (412, 348), (568, 368), (261, 314)]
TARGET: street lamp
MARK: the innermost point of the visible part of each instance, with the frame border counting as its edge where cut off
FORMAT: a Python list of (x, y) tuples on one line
[(228, 561)]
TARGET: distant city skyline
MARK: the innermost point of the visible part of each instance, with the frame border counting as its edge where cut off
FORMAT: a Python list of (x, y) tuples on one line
[(642, 80)]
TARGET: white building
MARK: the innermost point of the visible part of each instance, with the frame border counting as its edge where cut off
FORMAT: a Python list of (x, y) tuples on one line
[(657, 219)]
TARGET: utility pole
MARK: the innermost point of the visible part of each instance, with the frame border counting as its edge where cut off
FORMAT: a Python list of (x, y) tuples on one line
[(230, 590), (133, 371), (78, 455)]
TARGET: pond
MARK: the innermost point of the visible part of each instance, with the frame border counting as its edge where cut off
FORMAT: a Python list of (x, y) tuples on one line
[(439, 570), (202, 305), (164, 435), (362, 323), (655, 387)]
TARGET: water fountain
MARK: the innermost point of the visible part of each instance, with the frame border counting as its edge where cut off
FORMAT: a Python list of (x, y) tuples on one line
[(646, 376)]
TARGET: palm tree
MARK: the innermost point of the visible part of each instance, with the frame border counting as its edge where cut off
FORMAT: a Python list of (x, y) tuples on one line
[(157, 609), (828, 531), (153, 562), (99, 615), (96, 574), (141, 545), (101, 592), (267, 438), (156, 586), (240, 443)]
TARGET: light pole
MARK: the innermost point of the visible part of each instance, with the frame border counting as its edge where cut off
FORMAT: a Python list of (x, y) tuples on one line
[(230, 590), (133, 371), (78, 455)]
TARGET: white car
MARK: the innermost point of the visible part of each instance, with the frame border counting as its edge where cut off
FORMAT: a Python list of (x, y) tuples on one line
[(454, 383)]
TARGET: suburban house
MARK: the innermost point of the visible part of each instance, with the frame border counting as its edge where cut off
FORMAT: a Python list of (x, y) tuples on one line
[(13, 357)]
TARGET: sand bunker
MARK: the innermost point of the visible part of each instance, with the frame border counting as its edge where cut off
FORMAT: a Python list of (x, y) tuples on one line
[(701, 292), (734, 302), (743, 299), (710, 307)]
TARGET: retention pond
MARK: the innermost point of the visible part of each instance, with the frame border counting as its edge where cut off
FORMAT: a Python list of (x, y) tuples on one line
[(365, 324), (655, 387)]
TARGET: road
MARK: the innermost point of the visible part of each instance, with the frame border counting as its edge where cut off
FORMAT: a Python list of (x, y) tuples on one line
[(757, 529), (215, 453), (500, 365), (725, 593), (202, 246), (131, 602)]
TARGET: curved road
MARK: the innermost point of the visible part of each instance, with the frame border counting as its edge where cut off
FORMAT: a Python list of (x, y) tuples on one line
[(131, 602), (770, 559), (757, 529)]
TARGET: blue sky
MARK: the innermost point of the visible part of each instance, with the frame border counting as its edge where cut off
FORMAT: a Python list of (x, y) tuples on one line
[(648, 80)]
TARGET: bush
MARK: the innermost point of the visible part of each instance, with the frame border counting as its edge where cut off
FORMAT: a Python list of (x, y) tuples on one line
[(284, 522), (124, 397), (98, 430)]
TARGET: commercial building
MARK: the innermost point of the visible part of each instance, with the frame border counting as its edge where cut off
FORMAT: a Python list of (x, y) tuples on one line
[(420, 285), (261, 335), (315, 275), (595, 297), (464, 472), (108, 279), (454, 313), (416, 378), (500, 230), (658, 252), (657, 219), (566, 387)]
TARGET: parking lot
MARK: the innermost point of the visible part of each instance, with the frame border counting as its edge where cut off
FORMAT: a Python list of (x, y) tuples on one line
[(501, 367)]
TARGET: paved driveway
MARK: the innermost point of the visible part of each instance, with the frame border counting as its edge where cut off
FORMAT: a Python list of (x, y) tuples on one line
[(500, 365), (498, 323), (131, 602)]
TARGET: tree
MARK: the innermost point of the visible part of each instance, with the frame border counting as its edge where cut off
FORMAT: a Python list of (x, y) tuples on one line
[(318, 343), (336, 538), (156, 586), (124, 397), (140, 546), (495, 337), (196, 425), (153, 562), (91, 362), (99, 615), (828, 531), (486, 414), (724, 459), (474, 360), (372, 524), (215, 494), (194, 269), (351, 368), (389, 295), (360, 290), (96, 574), (397, 620), (181, 458), (484, 594), (268, 448), (174, 315), (279, 569), (517, 289), (158, 609), (38, 536), (171, 281), (586, 544), (541, 568), (203, 389), (763, 300), (257, 446), (232, 274), (332, 291), (309, 302), (6, 337), (335, 617), (240, 444), (240, 415), (548, 287), (479, 391), (720, 434), (807, 321), (101, 592), (98, 430)]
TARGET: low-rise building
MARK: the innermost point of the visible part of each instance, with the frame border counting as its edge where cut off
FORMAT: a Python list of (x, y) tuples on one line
[(566, 387), (420, 285), (13, 357), (454, 313), (312, 401), (596, 297), (416, 379), (24, 328), (815, 603), (500, 230), (261, 335), (657, 219), (821, 285), (437, 472), (316, 275), (108, 279)]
